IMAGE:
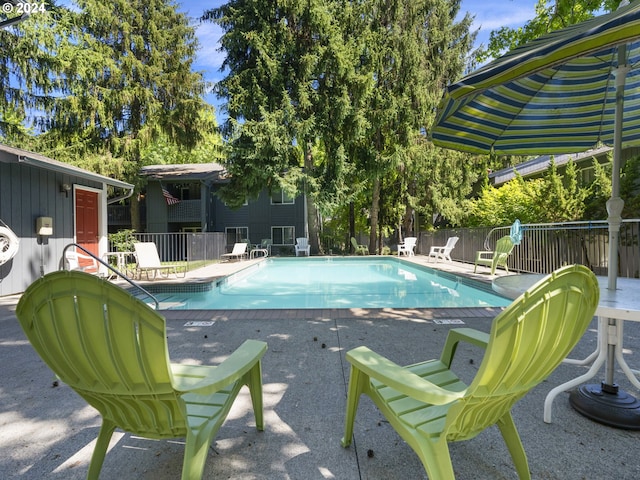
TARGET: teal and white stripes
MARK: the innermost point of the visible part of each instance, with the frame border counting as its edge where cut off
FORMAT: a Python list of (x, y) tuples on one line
[(553, 95)]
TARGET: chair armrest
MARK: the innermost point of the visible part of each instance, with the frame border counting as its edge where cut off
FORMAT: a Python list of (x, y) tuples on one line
[(479, 255), (436, 250), (455, 336), (210, 379), (384, 370)]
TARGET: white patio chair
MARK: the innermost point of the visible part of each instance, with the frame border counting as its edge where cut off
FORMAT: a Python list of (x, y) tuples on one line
[(78, 261), (407, 247), (443, 253), (239, 252), (302, 245), (148, 260)]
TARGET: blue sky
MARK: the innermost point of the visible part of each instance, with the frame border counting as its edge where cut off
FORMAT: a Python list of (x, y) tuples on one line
[(489, 15)]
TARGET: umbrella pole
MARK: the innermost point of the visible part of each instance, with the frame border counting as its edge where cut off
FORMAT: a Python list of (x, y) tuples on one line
[(615, 204), (606, 403)]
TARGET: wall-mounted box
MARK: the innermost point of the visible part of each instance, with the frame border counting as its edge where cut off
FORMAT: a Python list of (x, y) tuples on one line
[(44, 226)]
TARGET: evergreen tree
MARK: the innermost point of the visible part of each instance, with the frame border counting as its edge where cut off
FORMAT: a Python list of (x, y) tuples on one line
[(106, 81), (413, 49), (287, 63), (31, 68), (357, 80)]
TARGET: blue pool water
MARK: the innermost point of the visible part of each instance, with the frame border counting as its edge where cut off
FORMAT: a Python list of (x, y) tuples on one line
[(330, 282)]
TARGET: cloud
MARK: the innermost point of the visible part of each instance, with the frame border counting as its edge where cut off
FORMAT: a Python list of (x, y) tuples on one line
[(491, 15), (208, 55), (514, 16)]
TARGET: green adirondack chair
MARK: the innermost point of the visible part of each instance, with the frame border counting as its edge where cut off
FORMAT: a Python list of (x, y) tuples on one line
[(497, 258), (359, 249), (429, 405), (111, 349)]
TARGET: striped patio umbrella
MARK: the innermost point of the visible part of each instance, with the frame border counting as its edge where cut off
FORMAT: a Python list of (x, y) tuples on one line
[(565, 92)]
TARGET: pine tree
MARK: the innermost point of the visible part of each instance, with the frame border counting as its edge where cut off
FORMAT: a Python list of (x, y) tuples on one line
[(277, 54)]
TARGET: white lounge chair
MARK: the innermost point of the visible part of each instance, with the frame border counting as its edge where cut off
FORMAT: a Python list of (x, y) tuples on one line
[(443, 253), (407, 247), (302, 245), (239, 251), (148, 260)]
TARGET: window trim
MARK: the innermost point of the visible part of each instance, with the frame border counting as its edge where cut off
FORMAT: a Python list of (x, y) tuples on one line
[(284, 198), (226, 234), (282, 228)]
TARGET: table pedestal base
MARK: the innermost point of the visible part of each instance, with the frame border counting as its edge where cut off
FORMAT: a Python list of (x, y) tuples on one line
[(608, 405)]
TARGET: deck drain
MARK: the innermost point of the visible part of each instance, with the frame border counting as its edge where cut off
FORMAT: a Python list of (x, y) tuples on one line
[(199, 324)]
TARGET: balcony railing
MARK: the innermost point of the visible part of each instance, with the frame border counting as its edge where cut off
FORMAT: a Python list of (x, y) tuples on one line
[(548, 246), (185, 211)]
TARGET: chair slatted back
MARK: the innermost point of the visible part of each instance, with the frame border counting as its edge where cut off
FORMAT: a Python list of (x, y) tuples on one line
[(504, 246), (108, 346), (239, 248), (147, 255), (451, 242), (528, 340)]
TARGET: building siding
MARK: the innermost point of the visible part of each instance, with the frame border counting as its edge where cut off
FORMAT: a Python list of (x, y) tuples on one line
[(26, 193)]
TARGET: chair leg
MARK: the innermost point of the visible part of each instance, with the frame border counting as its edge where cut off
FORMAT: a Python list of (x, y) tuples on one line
[(436, 459), (255, 389), (100, 450), (195, 453), (514, 444), (357, 381)]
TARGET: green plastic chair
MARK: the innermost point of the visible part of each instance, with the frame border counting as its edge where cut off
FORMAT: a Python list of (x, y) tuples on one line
[(429, 405), (497, 258), (359, 249), (111, 349)]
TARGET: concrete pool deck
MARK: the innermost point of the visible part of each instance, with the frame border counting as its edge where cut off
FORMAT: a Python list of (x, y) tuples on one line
[(48, 432)]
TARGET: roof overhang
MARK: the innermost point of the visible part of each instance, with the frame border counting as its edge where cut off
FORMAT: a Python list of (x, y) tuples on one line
[(541, 163), (26, 157), (205, 172)]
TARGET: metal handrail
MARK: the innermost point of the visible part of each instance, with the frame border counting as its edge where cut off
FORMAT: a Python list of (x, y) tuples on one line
[(114, 270)]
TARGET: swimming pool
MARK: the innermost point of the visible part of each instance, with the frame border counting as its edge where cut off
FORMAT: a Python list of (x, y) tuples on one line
[(334, 282)]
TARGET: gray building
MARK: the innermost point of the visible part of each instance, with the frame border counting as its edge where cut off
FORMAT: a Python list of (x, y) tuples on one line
[(47, 205), (536, 167), (182, 198)]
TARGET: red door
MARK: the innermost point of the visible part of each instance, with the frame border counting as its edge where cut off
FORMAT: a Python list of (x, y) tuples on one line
[(87, 220)]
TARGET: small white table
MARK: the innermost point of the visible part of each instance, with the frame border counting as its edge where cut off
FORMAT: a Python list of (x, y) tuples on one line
[(613, 309), (121, 260)]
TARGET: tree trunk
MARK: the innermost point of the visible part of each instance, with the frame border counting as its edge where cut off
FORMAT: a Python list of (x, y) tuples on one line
[(352, 226), (313, 222), (313, 218), (375, 207), (407, 222)]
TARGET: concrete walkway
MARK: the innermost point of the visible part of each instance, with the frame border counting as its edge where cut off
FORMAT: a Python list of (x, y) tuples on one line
[(47, 431)]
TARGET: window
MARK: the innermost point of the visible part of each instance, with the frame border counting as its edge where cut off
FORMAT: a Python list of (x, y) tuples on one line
[(236, 235), (283, 235), (280, 197)]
